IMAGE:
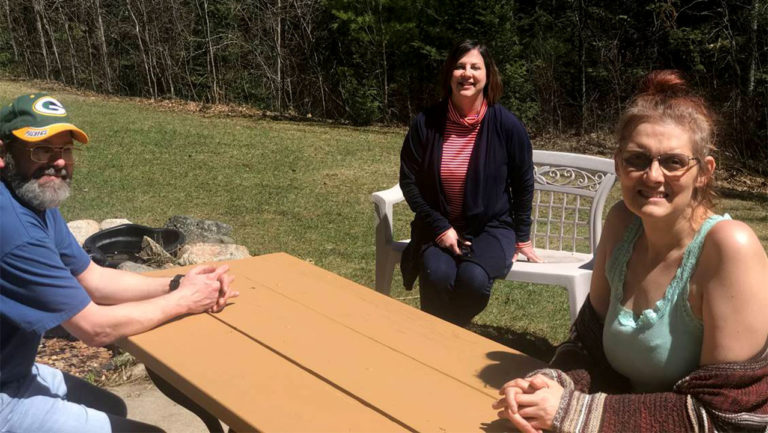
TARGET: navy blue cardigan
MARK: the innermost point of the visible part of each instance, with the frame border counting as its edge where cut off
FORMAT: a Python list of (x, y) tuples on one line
[(497, 195)]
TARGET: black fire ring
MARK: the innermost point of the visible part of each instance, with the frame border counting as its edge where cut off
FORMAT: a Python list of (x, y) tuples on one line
[(122, 243)]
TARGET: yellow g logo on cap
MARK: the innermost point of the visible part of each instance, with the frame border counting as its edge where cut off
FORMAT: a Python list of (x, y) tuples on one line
[(49, 107)]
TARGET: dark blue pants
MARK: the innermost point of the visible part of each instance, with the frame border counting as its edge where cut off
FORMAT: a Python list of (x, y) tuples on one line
[(451, 288)]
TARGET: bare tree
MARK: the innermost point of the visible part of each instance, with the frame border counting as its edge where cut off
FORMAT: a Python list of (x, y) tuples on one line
[(141, 49), (150, 47), (211, 56), (580, 17), (38, 6), (758, 7), (72, 61), (306, 13), (732, 45), (279, 45), (10, 31), (51, 36), (91, 69), (103, 44)]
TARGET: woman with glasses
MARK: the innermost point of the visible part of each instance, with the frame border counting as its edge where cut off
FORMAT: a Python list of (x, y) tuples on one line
[(674, 334), (466, 171)]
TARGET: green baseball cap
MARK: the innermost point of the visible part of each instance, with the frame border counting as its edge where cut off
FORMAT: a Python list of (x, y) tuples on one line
[(35, 117)]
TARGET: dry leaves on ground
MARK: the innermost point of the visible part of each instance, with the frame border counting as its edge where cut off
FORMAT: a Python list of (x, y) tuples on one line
[(98, 365)]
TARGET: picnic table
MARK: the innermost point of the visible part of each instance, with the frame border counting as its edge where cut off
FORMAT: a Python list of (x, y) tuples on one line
[(302, 349)]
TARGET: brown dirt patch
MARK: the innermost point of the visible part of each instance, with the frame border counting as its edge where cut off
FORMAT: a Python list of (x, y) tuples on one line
[(102, 366)]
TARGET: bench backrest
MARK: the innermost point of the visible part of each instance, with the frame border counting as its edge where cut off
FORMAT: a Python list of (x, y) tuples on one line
[(569, 197)]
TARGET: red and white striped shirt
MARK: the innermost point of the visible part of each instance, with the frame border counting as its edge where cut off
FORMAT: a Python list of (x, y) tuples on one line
[(460, 135)]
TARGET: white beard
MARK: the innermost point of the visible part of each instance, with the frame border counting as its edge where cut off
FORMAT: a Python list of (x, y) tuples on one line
[(39, 196)]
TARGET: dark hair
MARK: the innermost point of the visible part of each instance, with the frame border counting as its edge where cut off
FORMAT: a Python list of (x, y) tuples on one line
[(8, 141), (664, 96), (493, 87)]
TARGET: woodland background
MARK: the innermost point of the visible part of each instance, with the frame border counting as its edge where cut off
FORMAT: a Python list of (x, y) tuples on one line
[(568, 66)]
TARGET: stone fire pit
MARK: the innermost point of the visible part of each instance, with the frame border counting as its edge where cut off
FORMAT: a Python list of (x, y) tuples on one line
[(128, 242), (206, 241)]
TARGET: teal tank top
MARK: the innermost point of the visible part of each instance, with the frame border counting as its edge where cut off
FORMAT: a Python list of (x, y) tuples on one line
[(663, 344)]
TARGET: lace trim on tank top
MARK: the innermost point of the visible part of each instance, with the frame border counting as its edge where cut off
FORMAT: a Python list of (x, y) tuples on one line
[(617, 270)]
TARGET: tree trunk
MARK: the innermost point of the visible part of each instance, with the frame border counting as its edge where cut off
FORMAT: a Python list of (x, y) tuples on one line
[(385, 88), (211, 56), (10, 31), (90, 61), (582, 66), (733, 52), (150, 52), (103, 45), (72, 61), (279, 44), (757, 5), (169, 68), (37, 6), (47, 26), (30, 66), (141, 47)]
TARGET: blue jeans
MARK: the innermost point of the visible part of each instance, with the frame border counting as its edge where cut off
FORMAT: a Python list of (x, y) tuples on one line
[(49, 400), (452, 288)]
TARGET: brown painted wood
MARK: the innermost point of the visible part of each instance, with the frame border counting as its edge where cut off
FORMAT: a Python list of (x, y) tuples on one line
[(246, 385), (387, 361), (477, 361)]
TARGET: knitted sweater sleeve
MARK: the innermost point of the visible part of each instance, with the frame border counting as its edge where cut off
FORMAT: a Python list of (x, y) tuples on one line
[(728, 397), (723, 397)]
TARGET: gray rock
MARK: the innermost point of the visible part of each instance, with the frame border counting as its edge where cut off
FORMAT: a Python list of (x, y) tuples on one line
[(192, 254), (138, 371), (135, 267), (112, 222), (153, 254), (198, 230), (81, 229)]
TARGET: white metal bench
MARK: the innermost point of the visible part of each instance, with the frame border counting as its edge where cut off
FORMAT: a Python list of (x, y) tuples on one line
[(569, 196)]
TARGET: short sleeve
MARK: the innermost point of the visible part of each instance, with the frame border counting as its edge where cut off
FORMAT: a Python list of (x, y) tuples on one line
[(38, 290), (71, 253)]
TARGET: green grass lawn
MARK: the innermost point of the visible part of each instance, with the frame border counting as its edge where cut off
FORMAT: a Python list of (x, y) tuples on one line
[(302, 188)]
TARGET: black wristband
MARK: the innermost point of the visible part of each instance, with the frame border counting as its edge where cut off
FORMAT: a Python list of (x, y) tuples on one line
[(175, 281)]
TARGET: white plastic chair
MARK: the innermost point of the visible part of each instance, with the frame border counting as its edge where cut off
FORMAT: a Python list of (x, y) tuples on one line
[(569, 196)]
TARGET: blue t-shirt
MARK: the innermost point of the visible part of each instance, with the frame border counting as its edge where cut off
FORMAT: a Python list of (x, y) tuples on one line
[(39, 259)]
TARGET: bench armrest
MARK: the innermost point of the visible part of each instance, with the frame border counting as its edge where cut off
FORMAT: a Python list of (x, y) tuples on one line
[(383, 202), (387, 197)]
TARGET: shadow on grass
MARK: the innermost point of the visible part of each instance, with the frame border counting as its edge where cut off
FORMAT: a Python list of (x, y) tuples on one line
[(527, 343), (755, 196)]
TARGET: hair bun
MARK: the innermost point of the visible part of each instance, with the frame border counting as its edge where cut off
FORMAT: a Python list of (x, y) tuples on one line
[(668, 82)]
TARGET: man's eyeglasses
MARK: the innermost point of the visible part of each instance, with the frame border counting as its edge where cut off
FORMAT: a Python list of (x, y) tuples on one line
[(44, 153), (670, 163)]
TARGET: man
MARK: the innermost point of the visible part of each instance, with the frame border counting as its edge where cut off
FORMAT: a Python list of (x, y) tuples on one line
[(46, 279)]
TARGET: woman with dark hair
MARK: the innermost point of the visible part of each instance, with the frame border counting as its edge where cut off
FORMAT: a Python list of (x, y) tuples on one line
[(674, 333), (466, 172)]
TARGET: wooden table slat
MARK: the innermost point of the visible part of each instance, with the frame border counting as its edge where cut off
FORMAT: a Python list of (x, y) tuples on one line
[(246, 385)]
